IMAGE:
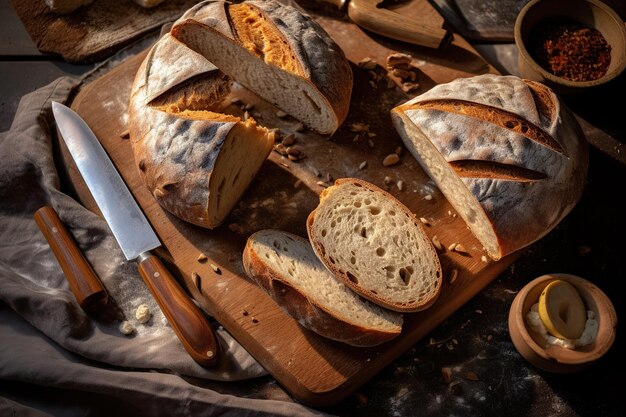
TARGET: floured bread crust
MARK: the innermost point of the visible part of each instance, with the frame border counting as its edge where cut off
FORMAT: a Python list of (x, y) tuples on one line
[(506, 152), (195, 161)]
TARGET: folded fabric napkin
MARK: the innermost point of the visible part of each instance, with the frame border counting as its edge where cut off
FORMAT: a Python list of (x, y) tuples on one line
[(46, 339)]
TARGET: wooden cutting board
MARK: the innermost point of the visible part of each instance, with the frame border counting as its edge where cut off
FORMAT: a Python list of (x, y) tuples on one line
[(95, 31), (316, 371)]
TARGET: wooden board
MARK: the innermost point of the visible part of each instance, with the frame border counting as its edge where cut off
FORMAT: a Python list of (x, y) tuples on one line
[(95, 31), (316, 371)]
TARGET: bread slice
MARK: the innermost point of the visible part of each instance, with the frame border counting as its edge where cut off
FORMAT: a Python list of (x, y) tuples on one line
[(375, 245), (277, 52), (286, 267), (195, 161), (506, 153)]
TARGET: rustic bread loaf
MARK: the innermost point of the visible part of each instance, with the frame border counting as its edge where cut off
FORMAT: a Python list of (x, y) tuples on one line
[(506, 153), (276, 51), (196, 162), (375, 245), (286, 267)]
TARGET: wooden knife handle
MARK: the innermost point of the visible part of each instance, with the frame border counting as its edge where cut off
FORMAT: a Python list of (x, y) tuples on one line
[(191, 326), (84, 283)]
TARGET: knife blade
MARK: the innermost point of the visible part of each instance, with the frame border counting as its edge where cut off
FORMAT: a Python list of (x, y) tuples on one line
[(135, 235)]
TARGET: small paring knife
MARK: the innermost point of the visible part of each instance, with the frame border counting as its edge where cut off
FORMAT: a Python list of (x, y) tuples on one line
[(84, 282), (135, 235)]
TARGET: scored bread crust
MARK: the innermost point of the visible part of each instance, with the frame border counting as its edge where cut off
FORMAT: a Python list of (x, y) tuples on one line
[(177, 141), (506, 152), (323, 319), (412, 285), (314, 72)]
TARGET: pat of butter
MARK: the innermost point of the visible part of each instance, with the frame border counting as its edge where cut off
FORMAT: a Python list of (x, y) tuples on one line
[(588, 336)]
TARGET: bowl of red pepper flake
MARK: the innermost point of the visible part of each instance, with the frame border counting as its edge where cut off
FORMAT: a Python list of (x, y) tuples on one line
[(570, 45)]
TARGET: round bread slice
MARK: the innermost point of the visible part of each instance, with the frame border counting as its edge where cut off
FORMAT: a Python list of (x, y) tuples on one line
[(286, 267), (506, 152), (196, 162), (375, 245), (277, 52)]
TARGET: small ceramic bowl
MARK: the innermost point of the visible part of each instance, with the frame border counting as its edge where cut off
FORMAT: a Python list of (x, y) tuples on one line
[(592, 13), (554, 358)]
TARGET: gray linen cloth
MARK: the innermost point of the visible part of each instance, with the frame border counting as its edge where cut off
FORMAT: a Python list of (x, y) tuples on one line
[(48, 343)]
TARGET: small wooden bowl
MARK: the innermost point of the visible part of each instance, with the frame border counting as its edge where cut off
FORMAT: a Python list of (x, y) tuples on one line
[(593, 13), (555, 358)]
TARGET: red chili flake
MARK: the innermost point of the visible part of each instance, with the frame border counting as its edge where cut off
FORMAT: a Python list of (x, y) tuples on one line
[(569, 49)]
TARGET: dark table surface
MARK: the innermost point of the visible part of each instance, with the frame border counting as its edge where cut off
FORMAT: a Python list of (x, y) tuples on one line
[(489, 377)]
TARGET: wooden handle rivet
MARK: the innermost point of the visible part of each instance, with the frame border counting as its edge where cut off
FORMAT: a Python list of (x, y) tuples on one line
[(210, 353), (156, 274), (55, 230)]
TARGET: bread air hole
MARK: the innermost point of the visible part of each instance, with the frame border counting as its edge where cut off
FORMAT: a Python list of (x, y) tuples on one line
[(352, 278), (324, 232), (353, 260), (380, 251), (276, 244), (363, 232), (390, 269), (357, 204), (405, 275), (375, 210)]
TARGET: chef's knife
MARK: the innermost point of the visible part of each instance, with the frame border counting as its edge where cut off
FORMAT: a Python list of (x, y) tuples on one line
[(135, 235)]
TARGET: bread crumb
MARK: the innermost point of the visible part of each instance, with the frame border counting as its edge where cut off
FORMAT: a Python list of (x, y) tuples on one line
[(362, 165), (372, 84), (126, 328), (471, 376), (400, 185), (142, 314), (299, 127), (428, 197), (391, 159), (460, 248), (452, 246), (423, 220), (479, 312), (359, 127), (367, 63), (361, 399), (370, 143), (387, 180), (484, 259), (322, 184), (436, 242), (297, 184), (246, 115), (281, 114), (399, 60), (195, 278), (201, 258), (446, 373), (454, 275), (288, 140), (248, 106), (216, 269)]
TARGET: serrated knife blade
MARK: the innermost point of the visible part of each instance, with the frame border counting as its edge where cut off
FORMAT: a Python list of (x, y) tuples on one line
[(134, 234)]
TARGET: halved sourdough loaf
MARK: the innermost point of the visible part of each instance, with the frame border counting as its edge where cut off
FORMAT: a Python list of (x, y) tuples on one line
[(506, 152), (286, 267), (375, 245), (197, 163), (276, 51)]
